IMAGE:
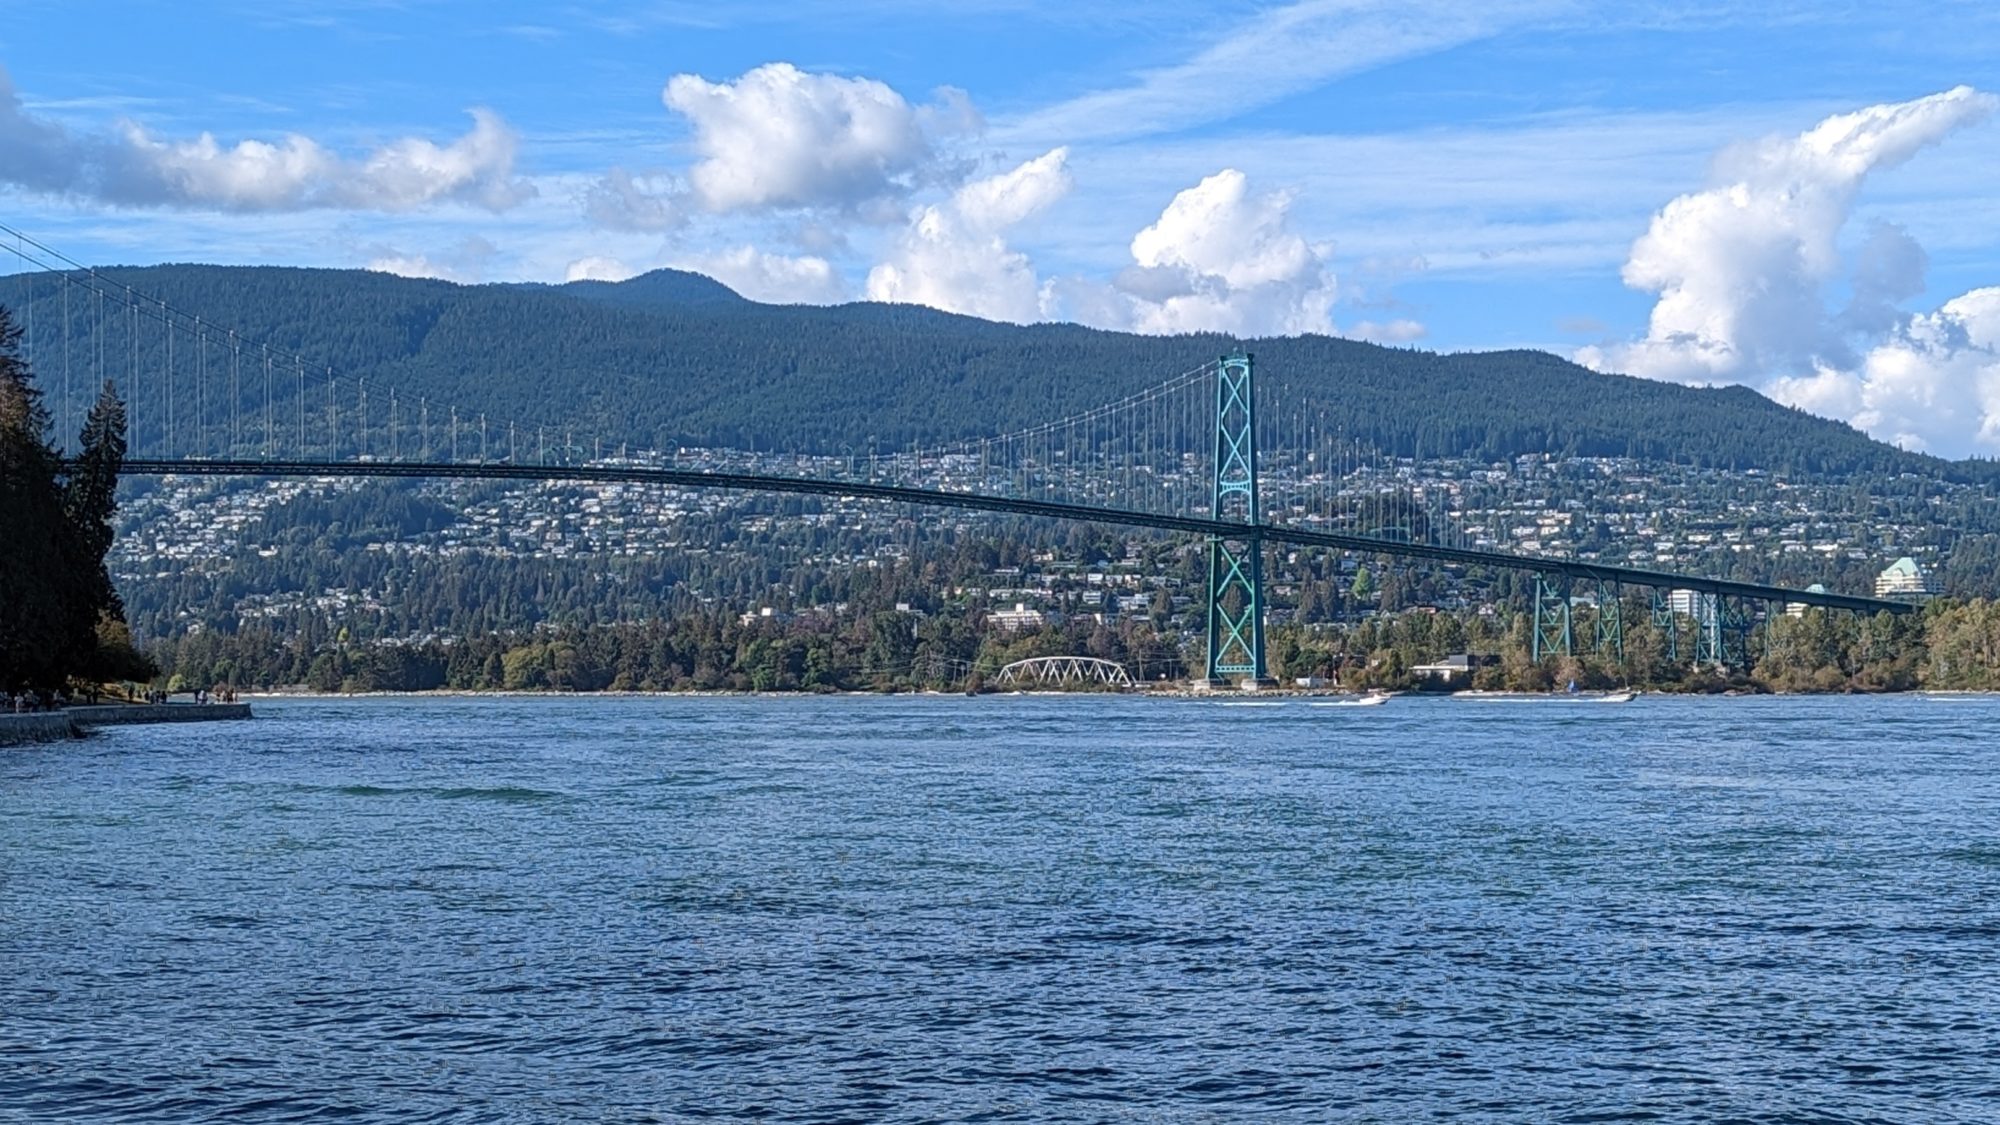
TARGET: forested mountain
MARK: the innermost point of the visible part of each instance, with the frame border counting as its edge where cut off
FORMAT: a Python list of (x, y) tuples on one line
[(671, 358), (657, 289)]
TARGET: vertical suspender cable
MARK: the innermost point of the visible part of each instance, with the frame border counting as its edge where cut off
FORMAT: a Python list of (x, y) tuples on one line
[(235, 394), (28, 284), (132, 341), (68, 422), (200, 387), (270, 411), (167, 327), (98, 375)]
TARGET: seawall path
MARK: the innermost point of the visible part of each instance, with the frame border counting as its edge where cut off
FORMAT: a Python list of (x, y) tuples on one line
[(74, 722)]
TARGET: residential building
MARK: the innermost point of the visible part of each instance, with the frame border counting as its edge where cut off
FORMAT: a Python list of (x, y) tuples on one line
[(1906, 578)]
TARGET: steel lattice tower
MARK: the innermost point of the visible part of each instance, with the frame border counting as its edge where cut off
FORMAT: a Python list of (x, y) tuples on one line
[(1554, 632), (1236, 563)]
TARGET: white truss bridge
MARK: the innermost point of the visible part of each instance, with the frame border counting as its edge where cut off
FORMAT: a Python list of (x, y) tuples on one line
[(1060, 671)]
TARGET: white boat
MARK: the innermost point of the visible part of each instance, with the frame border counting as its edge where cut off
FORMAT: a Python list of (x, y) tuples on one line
[(1372, 699), (1620, 696)]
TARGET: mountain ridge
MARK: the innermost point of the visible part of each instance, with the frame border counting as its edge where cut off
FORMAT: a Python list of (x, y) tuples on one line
[(673, 358)]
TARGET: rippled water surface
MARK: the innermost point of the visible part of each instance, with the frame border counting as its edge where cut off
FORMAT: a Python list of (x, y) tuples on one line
[(1013, 907)]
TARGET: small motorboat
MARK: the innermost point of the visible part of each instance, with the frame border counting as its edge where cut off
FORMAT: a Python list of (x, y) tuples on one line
[(1372, 699), (1622, 695)]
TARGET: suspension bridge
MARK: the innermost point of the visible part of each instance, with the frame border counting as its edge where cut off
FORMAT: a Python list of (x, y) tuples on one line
[(1190, 454)]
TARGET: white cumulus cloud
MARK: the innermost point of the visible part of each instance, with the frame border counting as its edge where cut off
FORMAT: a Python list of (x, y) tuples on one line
[(954, 255), (774, 278), (132, 166), (1743, 269), (598, 268), (415, 265), (1220, 259), (781, 137), (1933, 385), (466, 262)]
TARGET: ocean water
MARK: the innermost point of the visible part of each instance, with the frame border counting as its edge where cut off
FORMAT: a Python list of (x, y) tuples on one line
[(1008, 908)]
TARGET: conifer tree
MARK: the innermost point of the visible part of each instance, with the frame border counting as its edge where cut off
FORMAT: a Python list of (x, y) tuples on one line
[(90, 499), (36, 641), (60, 616)]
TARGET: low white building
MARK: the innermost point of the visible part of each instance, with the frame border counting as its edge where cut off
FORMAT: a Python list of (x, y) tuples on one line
[(1452, 670), (1016, 619)]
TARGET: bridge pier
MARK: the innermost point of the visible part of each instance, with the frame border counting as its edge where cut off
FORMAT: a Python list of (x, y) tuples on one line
[(1555, 619), (1611, 620), (1236, 563), (1668, 623), (1555, 634), (1722, 632)]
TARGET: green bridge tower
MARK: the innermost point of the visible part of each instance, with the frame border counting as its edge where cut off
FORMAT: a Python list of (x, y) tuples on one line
[(1236, 562)]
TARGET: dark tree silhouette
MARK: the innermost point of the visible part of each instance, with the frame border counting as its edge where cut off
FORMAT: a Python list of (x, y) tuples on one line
[(56, 599)]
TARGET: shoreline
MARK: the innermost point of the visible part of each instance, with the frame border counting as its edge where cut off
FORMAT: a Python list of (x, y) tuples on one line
[(1151, 693), (39, 727)]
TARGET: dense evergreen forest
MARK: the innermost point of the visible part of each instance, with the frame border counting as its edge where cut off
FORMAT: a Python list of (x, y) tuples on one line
[(671, 359), (61, 621), (1950, 646)]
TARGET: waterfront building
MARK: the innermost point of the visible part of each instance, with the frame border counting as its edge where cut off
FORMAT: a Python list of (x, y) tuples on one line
[(1453, 670)]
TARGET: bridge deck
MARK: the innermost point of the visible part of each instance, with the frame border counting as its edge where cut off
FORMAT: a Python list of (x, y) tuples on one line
[(1195, 525)]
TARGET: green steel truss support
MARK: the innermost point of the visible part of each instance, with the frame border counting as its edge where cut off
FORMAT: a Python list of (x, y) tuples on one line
[(1722, 631), (1668, 623), (1711, 643), (1554, 635), (1236, 564), (1611, 620), (1235, 609), (1740, 619)]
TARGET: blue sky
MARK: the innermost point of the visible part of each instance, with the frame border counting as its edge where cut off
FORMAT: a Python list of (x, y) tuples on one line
[(1449, 175)]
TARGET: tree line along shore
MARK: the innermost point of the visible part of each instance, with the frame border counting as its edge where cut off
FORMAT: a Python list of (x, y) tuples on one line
[(1949, 646)]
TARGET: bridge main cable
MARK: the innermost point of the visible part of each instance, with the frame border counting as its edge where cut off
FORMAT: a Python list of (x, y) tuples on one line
[(1194, 525)]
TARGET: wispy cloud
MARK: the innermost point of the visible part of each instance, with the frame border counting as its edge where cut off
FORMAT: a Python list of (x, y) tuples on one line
[(532, 32), (1278, 53)]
